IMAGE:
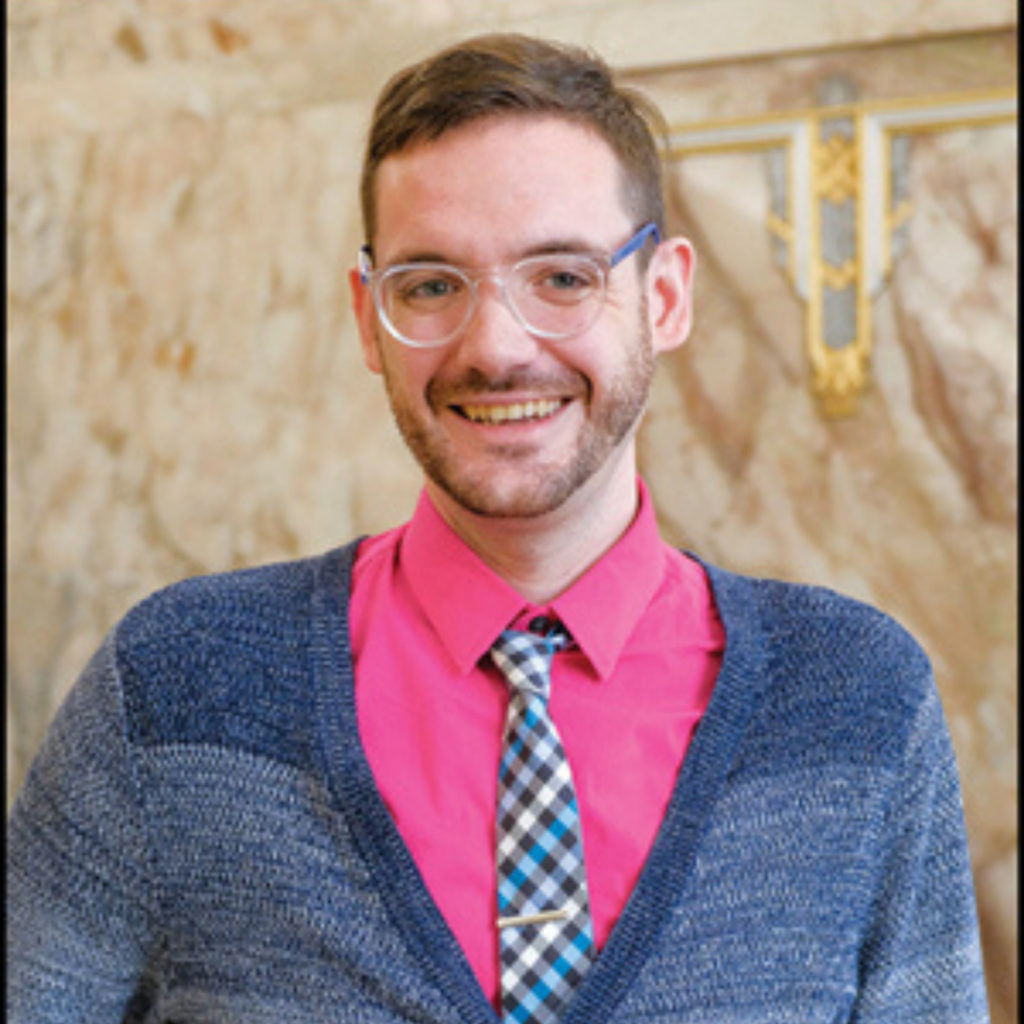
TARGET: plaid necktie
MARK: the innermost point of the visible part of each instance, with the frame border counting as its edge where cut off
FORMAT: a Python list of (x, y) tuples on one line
[(546, 936)]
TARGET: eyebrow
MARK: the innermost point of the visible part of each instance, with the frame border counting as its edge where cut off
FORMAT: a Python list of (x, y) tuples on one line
[(545, 248), (579, 245)]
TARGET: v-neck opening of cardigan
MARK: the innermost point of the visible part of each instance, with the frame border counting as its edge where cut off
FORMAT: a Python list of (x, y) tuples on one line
[(401, 887)]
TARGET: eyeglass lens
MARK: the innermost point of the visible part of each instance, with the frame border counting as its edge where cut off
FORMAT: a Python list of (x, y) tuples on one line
[(555, 296)]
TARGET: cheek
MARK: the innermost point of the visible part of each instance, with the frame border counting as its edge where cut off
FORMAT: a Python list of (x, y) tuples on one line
[(408, 372), (621, 352)]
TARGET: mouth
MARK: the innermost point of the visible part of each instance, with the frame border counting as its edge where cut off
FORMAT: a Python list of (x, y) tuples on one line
[(512, 412)]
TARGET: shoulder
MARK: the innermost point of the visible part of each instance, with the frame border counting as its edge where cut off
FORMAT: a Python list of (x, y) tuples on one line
[(811, 621), (267, 599), (227, 653), (833, 671)]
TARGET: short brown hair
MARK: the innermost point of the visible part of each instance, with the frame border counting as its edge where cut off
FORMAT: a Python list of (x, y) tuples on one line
[(511, 74)]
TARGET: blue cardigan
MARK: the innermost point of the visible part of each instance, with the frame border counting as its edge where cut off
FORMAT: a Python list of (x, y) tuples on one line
[(201, 839)]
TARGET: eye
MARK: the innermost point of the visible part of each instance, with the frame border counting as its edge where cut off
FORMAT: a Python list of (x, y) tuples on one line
[(423, 287), (561, 279), (565, 280)]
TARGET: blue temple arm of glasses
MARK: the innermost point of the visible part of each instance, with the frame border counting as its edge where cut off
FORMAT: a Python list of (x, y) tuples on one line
[(637, 241), (365, 263)]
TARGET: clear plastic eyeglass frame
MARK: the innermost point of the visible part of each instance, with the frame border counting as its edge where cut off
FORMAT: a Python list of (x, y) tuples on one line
[(601, 263)]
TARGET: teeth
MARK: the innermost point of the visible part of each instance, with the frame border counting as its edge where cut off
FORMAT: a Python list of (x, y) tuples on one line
[(516, 412)]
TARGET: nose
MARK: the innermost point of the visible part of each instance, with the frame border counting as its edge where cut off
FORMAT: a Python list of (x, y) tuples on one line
[(494, 340)]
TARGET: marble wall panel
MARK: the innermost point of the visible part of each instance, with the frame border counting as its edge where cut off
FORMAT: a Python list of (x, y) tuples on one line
[(912, 503), (185, 391)]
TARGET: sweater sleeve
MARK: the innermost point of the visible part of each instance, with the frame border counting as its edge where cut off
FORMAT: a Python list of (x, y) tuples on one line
[(77, 899), (921, 959)]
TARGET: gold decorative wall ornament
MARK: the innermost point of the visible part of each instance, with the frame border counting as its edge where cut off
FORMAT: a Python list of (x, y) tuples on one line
[(839, 205)]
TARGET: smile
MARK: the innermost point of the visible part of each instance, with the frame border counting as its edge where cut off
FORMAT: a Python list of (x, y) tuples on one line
[(516, 412)]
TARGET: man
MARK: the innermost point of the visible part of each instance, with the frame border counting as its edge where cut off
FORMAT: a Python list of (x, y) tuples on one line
[(297, 793)]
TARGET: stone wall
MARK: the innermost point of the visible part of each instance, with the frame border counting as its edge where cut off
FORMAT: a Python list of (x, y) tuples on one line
[(185, 392), (911, 503)]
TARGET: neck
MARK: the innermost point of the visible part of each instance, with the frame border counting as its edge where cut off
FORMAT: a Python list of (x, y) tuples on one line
[(541, 556)]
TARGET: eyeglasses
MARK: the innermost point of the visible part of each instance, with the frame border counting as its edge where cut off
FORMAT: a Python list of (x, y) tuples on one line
[(555, 295)]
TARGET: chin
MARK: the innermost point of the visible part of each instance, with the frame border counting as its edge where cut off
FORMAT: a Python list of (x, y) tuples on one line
[(523, 501), (526, 493)]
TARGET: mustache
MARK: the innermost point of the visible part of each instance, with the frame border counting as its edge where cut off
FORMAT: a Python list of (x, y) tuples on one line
[(474, 383)]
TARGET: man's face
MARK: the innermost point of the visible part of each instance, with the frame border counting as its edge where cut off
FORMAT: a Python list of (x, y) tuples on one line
[(504, 423)]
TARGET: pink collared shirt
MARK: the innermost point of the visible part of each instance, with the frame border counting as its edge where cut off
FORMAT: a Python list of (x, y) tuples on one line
[(431, 707)]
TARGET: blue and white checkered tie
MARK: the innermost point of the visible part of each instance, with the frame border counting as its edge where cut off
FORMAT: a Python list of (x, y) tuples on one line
[(546, 935)]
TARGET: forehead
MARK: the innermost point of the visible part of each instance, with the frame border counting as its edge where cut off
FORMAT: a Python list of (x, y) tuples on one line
[(500, 183)]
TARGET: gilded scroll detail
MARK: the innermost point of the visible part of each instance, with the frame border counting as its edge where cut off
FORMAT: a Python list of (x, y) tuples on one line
[(839, 209)]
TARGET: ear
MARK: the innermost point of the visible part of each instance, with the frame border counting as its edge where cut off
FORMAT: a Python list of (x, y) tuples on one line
[(670, 293), (362, 304)]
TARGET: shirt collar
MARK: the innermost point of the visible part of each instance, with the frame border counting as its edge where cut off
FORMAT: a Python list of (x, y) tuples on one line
[(468, 604)]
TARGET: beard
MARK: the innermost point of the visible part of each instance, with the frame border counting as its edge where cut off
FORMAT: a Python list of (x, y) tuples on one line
[(538, 485)]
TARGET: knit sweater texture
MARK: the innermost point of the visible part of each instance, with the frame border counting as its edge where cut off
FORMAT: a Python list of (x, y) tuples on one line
[(201, 841)]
